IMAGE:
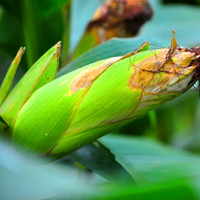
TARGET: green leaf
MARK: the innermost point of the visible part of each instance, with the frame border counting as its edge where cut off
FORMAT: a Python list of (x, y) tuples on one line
[(47, 7), (31, 177), (98, 158), (23, 24), (11, 32), (150, 162), (9, 78), (2, 127), (172, 190), (86, 43), (42, 72), (182, 18), (192, 142), (29, 25), (66, 35), (81, 12)]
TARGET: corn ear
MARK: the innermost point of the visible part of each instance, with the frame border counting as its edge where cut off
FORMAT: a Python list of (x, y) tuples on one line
[(52, 106), (41, 73), (87, 103)]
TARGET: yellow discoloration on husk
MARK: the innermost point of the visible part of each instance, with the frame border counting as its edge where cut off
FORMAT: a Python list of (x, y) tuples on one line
[(142, 75), (87, 77), (173, 42), (183, 59), (156, 71)]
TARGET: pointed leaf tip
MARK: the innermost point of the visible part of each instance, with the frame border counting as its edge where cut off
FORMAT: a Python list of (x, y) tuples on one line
[(41, 73), (58, 49), (21, 51), (173, 42), (9, 78)]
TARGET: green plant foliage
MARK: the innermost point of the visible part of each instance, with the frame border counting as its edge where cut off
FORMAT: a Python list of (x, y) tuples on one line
[(181, 18), (154, 157), (47, 7), (41, 73), (9, 78), (98, 158), (151, 162), (87, 103), (30, 177)]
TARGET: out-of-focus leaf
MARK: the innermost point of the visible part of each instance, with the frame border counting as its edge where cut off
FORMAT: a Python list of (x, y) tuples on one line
[(178, 127), (23, 24), (29, 25), (86, 43), (47, 7), (150, 162), (10, 32), (81, 12), (2, 127), (30, 177), (65, 35), (26, 176), (192, 142), (168, 191), (182, 18), (98, 158)]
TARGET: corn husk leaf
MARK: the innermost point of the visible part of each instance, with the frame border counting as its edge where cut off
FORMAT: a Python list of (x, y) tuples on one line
[(41, 73), (8, 80), (89, 102), (62, 103)]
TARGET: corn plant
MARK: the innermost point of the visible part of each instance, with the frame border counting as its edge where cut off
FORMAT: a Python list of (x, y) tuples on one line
[(79, 107), (92, 125)]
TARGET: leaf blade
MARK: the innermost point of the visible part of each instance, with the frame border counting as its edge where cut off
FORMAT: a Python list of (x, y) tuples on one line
[(98, 158), (9, 78), (42, 72)]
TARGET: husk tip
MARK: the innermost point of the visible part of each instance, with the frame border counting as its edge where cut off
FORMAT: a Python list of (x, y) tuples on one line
[(20, 52), (58, 48)]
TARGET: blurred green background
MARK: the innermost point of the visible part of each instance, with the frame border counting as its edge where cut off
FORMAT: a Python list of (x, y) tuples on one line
[(155, 157)]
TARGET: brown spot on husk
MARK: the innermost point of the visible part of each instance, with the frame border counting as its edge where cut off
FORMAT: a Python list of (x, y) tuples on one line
[(88, 76), (154, 72), (143, 72)]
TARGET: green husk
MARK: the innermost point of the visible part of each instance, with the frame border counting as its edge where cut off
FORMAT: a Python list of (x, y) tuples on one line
[(58, 116), (41, 73), (9, 78), (87, 103)]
